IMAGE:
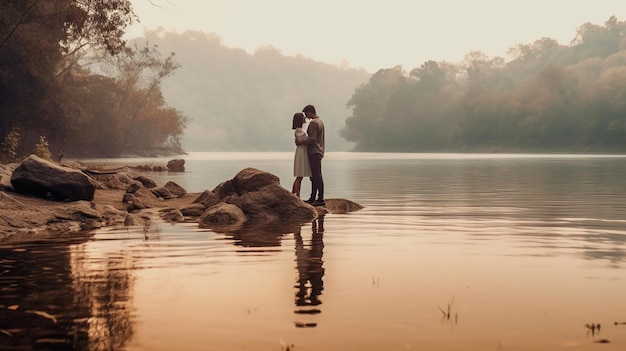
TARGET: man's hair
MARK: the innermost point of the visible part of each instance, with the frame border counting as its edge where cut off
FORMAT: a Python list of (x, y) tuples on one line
[(298, 120), (309, 108)]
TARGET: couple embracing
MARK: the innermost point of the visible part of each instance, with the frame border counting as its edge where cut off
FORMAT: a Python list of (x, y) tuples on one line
[(309, 153)]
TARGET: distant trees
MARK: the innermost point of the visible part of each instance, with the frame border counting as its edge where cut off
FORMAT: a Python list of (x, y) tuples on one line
[(122, 109), (47, 90), (548, 97), (245, 101)]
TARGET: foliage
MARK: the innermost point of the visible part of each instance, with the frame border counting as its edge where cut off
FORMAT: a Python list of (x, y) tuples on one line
[(46, 88), (548, 97), (42, 149), (122, 110), (8, 148), (237, 100)]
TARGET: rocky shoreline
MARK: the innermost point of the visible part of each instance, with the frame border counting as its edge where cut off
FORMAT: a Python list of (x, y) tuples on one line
[(123, 197)]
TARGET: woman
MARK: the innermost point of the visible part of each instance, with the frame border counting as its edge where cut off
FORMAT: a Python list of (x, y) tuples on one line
[(301, 166)]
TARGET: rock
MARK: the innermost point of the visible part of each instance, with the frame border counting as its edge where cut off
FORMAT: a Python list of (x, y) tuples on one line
[(321, 211), (222, 214), (38, 177), (131, 220), (162, 192), (112, 214), (177, 165), (253, 208), (5, 176), (7, 201), (341, 206), (146, 181), (175, 189), (193, 210), (261, 197), (135, 220), (81, 212), (128, 197), (134, 186), (138, 204), (247, 180), (145, 194), (207, 198), (172, 215), (142, 199), (112, 180)]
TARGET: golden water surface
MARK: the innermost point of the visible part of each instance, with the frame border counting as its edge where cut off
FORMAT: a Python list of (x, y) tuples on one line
[(451, 252)]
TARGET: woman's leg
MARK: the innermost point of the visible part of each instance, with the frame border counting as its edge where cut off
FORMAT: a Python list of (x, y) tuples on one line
[(296, 186)]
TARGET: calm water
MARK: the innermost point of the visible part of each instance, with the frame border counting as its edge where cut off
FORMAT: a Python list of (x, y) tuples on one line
[(451, 252)]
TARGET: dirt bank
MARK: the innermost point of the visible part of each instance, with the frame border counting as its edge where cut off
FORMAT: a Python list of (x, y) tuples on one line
[(29, 218)]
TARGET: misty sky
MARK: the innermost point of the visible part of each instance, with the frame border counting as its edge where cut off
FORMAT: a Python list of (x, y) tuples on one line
[(378, 34)]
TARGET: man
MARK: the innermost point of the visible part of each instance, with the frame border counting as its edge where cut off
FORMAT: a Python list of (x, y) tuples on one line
[(315, 150)]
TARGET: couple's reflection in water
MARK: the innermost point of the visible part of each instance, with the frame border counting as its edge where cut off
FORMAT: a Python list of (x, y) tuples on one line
[(309, 282), (63, 296), (309, 250), (310, 272)]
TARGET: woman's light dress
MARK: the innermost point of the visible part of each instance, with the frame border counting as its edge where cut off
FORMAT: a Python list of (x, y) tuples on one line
[(301, 166)]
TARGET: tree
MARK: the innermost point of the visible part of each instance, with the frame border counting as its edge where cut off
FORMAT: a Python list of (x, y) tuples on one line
[(597, 41), (548, 97), (366, 126), (38, 39), (607, 101), (139, 104)]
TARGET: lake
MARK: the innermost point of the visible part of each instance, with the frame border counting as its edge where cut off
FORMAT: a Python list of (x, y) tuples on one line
[(451, 252)]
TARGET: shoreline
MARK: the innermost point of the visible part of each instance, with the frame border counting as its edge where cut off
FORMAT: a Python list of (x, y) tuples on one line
[(25, 218), (119, 197)]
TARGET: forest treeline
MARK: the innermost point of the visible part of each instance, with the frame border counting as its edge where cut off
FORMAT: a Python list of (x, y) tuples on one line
[(547, 97), (70, 83), (240, 101)]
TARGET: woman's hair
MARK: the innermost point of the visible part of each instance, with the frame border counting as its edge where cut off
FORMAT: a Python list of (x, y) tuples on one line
[(298, 120)]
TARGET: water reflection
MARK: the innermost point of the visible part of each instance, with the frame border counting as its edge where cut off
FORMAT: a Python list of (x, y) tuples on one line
[(104, 289), (51, 298), (555, 204), (310, 269), (257, 238)]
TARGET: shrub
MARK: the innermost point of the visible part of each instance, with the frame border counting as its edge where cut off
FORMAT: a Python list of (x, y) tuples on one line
[(42, 150), (9, 146)]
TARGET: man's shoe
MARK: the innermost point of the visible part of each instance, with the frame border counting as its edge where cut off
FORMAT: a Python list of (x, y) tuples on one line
[(318, 203), (309, 201)]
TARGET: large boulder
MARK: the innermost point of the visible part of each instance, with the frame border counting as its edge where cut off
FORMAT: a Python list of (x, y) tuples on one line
[(262, 199), (177, 165), (246, 181), (207, 198), (38, 177)]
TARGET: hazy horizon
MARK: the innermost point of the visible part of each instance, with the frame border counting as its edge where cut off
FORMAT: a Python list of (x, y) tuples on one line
[(376, 35)]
